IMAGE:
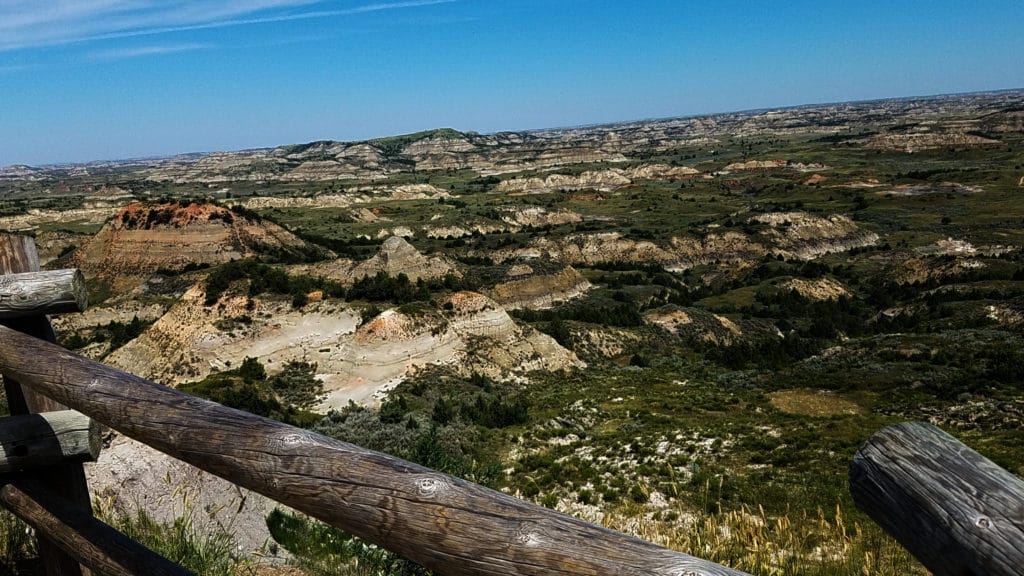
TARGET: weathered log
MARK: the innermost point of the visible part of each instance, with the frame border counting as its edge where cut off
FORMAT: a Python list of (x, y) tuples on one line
[(35, 440), (18, 254), (444, 523), (952, 508), (45, 292), (89, 541)]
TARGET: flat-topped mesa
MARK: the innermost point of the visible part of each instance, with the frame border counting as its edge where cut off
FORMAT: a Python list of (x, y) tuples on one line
[(143, 238), (604, 180)]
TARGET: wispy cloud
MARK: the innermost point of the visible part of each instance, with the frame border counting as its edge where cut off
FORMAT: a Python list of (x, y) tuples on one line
[(36, 23), (140, 51)]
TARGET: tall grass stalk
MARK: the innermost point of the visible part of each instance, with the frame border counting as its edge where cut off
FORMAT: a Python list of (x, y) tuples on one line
[(821, 544)]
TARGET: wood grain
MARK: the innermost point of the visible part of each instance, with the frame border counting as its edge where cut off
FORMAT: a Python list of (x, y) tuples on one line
[(444, 523), (83, 537), (956, 511), (36, 440), (18, 255), (45, 292)]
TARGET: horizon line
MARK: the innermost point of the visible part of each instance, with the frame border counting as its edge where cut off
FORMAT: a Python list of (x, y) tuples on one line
[(526, 130)]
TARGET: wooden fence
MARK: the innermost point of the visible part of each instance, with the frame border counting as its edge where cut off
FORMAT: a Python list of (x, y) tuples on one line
[(975, 516), (441, 522)]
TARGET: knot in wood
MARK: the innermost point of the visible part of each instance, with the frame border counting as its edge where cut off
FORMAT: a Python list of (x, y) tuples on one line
[(12, 292), (294, 439), (429, 487), (528, 535), (983, 522)]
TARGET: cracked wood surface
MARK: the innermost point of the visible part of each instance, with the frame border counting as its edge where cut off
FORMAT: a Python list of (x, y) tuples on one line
[(44, 292), (31, 441), (18, 255), (955, 510)]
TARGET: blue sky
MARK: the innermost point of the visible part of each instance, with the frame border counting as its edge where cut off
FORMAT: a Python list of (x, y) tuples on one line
[(88, 80)]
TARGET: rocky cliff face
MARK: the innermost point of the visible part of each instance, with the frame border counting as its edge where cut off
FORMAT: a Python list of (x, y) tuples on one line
[(143, 238), (716, 247), (396, 256), (596, 180), (603, 180), (792, 235), (588, 249), (753, 165), (356, 362), (699, 325), (361, 195), (662, 172), (470, 332), (817, 289), (520, 216), (524, 289), (805, 237)]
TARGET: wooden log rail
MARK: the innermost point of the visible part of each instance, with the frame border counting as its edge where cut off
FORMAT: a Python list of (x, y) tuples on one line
[(45, 292), (37, 440), (956, 511), (18, 255), (447, 524)]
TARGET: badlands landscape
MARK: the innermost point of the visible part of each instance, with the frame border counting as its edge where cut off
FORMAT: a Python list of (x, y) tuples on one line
[(679, 328)]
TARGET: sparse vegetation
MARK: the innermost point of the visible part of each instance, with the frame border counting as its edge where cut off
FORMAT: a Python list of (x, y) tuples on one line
[(264, 278), (286, 396)]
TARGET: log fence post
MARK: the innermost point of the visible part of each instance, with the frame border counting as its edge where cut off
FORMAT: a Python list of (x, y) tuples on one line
[(18, 255), (955, 510)]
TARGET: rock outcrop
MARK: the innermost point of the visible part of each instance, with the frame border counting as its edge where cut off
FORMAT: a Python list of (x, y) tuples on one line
[(361, 195), (355, 362), (700, 325), (143, 238), (791, 235), (817, 289), (910, 142), (521, 216), (396, 256), (589, 249), (805, 237), (604, 180), (524, 289), (771, 165), (662, 172)]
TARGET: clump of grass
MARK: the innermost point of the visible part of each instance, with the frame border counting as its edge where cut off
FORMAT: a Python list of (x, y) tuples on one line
[(322, 550), (17, 543), (821, 544), (208, 552)]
